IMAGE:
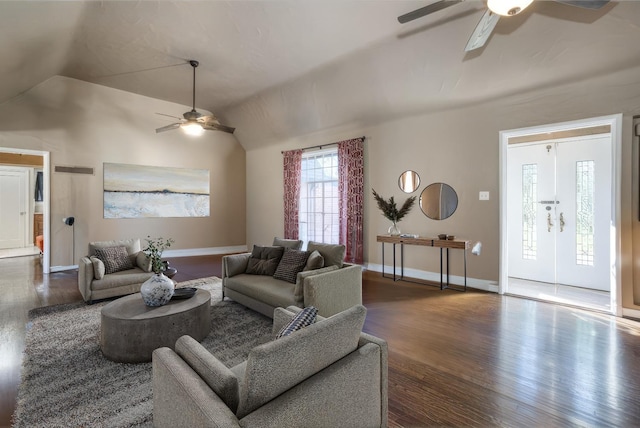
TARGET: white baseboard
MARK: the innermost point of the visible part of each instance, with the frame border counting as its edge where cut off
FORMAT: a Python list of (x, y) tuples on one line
[(631, 313), (53, 269), (480, 284)]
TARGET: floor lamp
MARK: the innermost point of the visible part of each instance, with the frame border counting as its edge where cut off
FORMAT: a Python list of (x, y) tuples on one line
[(69, 221)]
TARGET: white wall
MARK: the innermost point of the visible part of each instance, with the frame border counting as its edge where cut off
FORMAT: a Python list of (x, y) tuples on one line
[(83, 124), (459, 147)]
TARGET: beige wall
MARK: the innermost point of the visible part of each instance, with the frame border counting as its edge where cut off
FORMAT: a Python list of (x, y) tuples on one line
[(83, 124), (461, 148)]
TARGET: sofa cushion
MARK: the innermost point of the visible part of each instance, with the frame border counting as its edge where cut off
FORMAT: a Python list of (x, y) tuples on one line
[(275, 367), (304, 318), (115, 259), (132, 245), (266, 289), (264, 260), (315, 261), (295, 244), (333, 254), (292, 262), (143, 261), (98, 267), (123, 278)]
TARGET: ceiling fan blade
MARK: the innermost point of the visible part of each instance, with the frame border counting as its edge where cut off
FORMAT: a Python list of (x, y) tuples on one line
[(168, 127), (482, 31), (588, 4), (218, 127), (426, 10), (168, 115)]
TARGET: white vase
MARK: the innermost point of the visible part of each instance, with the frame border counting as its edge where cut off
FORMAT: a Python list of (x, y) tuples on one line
[(157, 290)]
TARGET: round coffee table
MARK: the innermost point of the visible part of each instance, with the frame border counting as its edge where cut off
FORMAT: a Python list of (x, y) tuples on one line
[(131, 330)]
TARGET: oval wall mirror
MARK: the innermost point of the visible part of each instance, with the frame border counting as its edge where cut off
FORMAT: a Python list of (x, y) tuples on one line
[(409, 181), (438, 201)]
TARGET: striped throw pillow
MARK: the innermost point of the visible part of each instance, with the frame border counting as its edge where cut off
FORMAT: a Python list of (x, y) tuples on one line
[(305, 317)]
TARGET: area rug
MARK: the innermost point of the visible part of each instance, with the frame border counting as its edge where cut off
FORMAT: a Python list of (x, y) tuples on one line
[(66, 382)]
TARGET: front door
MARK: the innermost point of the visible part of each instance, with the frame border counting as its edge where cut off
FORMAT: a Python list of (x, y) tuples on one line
[(13, 207), (559, 198)]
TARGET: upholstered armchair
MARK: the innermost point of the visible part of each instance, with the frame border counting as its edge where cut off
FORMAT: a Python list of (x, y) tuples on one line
[(328, 374), (113, 268)]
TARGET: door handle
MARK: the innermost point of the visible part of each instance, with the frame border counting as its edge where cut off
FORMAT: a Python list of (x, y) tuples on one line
[(561, 222), (549, 224)]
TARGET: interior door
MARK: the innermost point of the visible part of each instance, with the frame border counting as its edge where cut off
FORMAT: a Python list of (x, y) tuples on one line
[(13, 209), (582, 225), (531, 180)]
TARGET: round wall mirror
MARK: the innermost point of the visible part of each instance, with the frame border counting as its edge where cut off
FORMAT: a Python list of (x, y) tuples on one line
[(438, 201), (409, 181)]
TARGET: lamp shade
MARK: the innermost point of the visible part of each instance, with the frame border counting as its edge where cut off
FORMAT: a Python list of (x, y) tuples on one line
[(192, 128), (508, 7)]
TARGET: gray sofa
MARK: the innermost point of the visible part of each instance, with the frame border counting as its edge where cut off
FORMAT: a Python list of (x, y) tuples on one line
[(328, 374), (332, 288), (94, 284)]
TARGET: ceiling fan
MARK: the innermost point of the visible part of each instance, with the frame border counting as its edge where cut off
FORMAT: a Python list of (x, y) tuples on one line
[(195, 123), (495, 9)]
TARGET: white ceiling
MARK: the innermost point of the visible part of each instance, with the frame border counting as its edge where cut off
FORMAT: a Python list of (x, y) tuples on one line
[(280, 69)]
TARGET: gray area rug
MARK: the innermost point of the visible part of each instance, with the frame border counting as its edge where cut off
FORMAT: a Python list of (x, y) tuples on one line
[(66, 382)]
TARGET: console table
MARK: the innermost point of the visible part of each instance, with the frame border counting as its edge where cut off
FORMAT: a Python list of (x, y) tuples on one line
[(443, 244)]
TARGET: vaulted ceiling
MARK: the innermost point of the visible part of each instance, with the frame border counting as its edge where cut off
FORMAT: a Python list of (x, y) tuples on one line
[(281, 69)]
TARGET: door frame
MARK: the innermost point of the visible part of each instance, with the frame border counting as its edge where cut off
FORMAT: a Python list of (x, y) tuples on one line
[(46, 173), (615, 123)]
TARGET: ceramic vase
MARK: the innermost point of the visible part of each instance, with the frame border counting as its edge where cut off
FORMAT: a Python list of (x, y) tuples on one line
[(394, 230), (157, 290)]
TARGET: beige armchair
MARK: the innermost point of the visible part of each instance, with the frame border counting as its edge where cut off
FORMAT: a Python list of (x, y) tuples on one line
[(328, 374), (95, 284)]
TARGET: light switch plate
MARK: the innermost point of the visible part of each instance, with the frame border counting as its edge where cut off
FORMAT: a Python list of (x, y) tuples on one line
[(484, 196)]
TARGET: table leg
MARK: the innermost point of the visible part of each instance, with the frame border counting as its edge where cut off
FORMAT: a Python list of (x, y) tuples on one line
[(465, 269), (447, 267), (401, 261), (441, 283)]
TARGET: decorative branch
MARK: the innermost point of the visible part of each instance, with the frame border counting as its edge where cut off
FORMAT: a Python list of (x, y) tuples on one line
[(154, 250), (390, 210)]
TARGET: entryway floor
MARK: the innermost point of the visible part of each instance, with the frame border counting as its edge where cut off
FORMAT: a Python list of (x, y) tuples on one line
[(563, 294), (19, 252)]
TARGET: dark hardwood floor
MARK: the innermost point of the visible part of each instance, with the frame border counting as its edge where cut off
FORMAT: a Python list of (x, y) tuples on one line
[(455, 359)]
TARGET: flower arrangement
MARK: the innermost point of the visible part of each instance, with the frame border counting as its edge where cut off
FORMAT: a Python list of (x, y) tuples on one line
[(389, 209), (154, 250)]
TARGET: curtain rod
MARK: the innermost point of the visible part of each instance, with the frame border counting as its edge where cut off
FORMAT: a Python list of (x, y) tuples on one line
[(323, 145)]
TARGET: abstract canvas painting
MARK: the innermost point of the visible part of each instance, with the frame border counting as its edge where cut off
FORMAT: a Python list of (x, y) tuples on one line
[(133, 191)]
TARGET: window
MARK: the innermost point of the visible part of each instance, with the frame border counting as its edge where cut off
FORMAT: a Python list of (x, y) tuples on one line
[(318, 214)]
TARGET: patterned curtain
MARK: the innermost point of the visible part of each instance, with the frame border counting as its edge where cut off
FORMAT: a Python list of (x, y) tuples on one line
[(351, 194), (292, 177)]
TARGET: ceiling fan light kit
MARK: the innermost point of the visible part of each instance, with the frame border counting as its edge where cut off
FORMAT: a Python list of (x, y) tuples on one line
[(192, 128), (495, 9), (508, 7), (194, 123)]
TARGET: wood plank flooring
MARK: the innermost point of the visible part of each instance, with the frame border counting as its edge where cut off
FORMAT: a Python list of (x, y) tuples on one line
[(455, 359)]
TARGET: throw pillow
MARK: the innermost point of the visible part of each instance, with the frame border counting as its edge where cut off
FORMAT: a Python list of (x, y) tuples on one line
[(304, 318), (292, 262), (333, 254), (115, 259), (98, 267), (264, 260), (296, 244), (143, 261), (315, 261)]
